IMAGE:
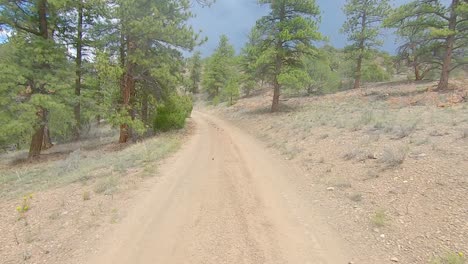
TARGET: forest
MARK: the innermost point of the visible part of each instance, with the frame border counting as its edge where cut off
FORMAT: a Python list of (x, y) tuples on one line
[(67, 65)]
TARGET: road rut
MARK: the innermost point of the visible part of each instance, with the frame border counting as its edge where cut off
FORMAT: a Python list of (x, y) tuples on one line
[(222, 199)]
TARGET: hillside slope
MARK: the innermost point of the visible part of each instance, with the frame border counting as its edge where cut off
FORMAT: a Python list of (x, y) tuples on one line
[(389, 163)]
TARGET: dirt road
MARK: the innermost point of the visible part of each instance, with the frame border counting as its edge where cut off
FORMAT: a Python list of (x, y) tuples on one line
[(223, 199)]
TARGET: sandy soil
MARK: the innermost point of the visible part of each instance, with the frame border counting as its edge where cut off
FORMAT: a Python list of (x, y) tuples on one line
[(346, 178), (388, 164), (224, 199), (77, 198)]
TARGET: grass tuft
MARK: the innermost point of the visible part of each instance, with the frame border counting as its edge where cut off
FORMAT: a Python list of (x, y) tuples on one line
[(450, 258), (86, 196), (83, 166), (402, 131), (392, 158), (357, 197), (379, 219), (107, 186)]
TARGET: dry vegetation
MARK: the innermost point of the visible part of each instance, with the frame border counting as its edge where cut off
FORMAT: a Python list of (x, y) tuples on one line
[(52, 210), (389, 162)]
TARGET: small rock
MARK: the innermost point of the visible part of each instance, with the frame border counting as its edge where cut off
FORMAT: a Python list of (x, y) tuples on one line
[(394, 259), (382, 235), (376, 230), (330, 188)]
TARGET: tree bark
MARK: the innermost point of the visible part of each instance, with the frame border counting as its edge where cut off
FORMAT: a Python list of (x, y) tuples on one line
[(144, 108), (358, 73), (36, 142), (78, 77), (195, 85), (449, 43), (278, 66), (43, 23), (276, 96), (276, 84), (47, 140), (417, 74), (128, 91), (39, 138)]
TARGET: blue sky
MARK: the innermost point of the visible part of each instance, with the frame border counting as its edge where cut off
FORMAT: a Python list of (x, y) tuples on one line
[(235, 18)]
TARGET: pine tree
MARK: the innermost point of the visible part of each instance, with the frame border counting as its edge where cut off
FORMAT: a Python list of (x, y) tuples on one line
[(364, 18), (251, 72), (37, 62), (219, 69), (148, 31), (416, 48), (287, 33), (445, 28), (195, 68)]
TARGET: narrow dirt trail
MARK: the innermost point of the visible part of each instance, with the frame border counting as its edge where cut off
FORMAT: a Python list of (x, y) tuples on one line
[(222, 199)]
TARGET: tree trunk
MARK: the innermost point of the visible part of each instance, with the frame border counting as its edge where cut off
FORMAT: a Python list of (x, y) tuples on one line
[(144, 108), (36, 142), (38, 137), (449, 43), (417, 74), (276, 96), (358, 74), (43, 23), (195, 86), (278, 65), (128, 92), (78, 77), (276, 84), (47, 140)]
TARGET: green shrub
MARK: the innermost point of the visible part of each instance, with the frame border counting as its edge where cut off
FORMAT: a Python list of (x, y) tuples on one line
[(172, 114), (216, 100), (188, 104), (373, 72)]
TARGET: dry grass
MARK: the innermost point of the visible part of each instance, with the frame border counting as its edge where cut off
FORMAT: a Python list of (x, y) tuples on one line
[(450, 258), (393, 157), (85, 166), (402, 146)]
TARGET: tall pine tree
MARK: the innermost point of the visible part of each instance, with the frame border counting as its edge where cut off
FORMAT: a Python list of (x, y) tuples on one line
[(363, 24), (287, 33), (445, 28)]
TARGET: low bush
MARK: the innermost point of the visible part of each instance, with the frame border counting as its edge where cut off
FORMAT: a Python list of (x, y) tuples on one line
[(392, 158), (173, 113), (373, 72)]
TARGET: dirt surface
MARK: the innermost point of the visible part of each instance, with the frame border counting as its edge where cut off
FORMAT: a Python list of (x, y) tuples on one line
[(74, 200), (372, 176), (224, 199), (387, 164)]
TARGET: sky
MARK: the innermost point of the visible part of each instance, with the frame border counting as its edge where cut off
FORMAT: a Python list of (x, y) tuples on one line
[(235, 18)]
